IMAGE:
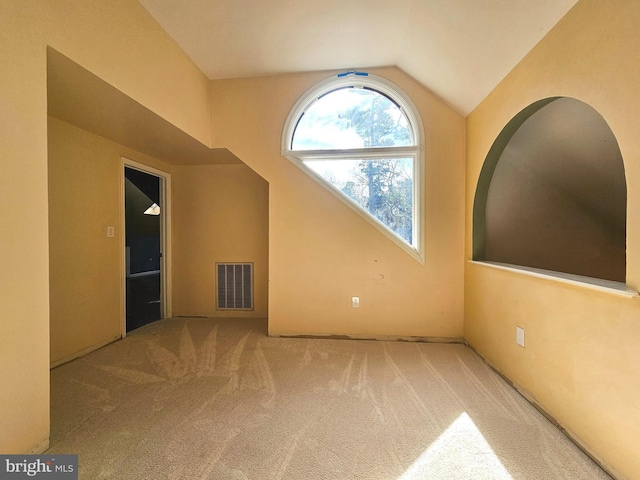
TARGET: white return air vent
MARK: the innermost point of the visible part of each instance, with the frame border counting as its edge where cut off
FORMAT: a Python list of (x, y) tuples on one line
[(235, 286)]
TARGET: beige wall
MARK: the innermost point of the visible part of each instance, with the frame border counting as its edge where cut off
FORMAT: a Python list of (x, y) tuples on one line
[(581, 361), (321, 253), (85, 266), (122, 44), (220, 214)]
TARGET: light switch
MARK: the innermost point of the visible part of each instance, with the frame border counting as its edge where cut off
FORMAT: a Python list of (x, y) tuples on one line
[(355, 302), (520, 336), (111, 231)]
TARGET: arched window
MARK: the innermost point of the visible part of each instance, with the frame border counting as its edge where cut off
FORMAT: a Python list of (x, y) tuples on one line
[(552, 194), (361, 137)]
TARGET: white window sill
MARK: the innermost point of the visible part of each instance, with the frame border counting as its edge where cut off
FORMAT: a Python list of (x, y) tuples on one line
[(607, 286)]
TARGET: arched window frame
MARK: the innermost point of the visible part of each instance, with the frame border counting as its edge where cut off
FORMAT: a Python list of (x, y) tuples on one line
[(416, 151)]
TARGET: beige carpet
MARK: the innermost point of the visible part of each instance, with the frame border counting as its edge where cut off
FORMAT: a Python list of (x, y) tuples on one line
[(218, 399)]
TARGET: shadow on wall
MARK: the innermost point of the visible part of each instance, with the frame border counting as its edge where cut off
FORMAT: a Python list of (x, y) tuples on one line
[(552, 193)]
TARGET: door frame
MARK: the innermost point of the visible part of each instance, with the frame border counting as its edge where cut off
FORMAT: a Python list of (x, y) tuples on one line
[(165, 239)]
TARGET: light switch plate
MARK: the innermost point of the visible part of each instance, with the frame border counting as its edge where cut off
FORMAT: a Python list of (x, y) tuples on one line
[(355, 302), (520, 336)]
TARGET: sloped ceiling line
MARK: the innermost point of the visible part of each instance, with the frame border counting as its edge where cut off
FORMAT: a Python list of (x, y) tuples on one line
[(459, 49)]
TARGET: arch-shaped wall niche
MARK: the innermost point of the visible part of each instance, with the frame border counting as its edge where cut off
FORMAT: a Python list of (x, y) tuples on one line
[(552, 193)]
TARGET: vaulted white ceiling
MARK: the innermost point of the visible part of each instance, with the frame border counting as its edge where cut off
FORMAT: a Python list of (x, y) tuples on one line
[(459, 49)]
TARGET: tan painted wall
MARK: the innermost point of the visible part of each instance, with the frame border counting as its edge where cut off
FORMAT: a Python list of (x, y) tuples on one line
[(121, 43), (85, 266), (220, 214), (581, 361), (321, 253)]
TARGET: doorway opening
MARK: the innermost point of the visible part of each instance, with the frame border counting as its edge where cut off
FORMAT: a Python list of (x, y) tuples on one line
[(145, 221)]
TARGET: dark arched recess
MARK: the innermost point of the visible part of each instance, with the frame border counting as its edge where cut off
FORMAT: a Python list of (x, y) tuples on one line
[(552, 193)]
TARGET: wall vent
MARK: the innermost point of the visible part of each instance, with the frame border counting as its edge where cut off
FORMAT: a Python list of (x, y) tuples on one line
[(235, 286)]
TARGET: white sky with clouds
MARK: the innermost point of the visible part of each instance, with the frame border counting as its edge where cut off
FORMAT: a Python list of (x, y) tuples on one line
[(321, 126)]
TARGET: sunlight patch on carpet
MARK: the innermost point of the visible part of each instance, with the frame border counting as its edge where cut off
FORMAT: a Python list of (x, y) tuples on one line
[(460, 452)]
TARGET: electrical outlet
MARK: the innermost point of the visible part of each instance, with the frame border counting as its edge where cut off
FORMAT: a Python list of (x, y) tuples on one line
[(520, 336), (355, 302), (111, 231)]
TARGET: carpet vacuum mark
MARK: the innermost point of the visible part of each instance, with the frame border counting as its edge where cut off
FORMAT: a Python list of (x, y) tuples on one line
[(218, 399)]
